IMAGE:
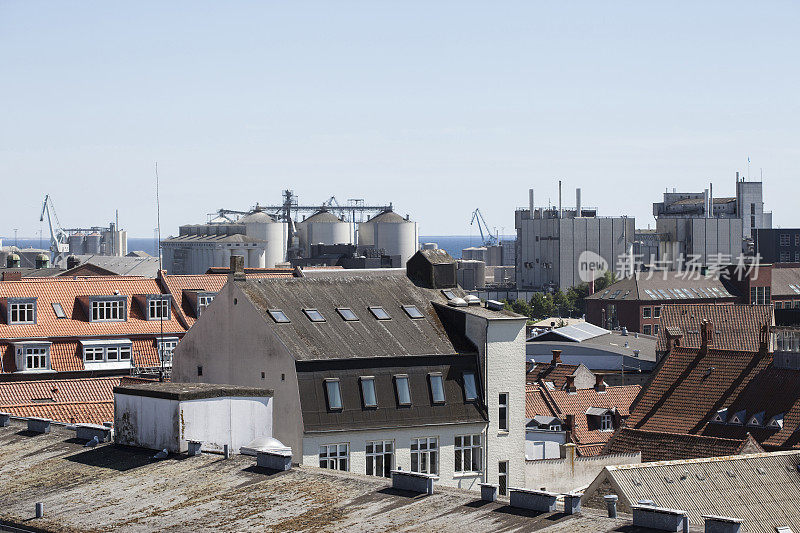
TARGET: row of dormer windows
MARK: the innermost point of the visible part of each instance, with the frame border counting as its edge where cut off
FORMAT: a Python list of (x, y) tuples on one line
[(22, 311)]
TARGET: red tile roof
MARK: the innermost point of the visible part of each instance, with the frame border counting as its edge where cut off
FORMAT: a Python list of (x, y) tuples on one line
[(736, 327), (559, 403), (68, 356), (547, 372), (662, 446), (81, 400), (66, 291)]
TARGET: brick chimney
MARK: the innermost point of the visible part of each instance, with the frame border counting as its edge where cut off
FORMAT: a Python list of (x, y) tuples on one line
[(570, 385), (12, 276), (556, 357), (599, 384), (706, 334), (569, 426), (236, 272)]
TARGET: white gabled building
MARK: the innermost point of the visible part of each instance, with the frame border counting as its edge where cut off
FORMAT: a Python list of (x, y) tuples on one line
[(374, 370)]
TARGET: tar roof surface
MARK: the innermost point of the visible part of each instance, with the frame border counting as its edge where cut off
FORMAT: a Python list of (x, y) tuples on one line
[(124, 489), (336, 338)]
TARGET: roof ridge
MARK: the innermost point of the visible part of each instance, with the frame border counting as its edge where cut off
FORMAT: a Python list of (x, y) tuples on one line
[(740, 457)]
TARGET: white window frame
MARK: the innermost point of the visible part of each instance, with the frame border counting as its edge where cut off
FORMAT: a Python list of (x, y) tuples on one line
[(203, 301), (329, 382), (99, 355), (110, 310), (465, 449), (166, 347), (502, 411), (607, 422), (158, 307), (438, 396), (368, 382), (467, 396), (425, 450), (502, 478), (335, 456), (376, 452), (555, 427), (22, 311), (407, 388), (36, 353)]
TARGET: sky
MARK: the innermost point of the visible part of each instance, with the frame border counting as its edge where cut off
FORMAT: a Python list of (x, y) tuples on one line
[(439, 107)]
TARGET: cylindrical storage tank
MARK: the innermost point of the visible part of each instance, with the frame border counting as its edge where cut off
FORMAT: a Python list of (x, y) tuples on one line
[(394, 234), (262, 227), (323, 227), (92, 243), (76, 244)]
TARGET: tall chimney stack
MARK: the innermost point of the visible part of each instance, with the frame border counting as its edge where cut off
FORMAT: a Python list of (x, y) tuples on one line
[(556, 357), (578, 202), (711, 199), (530, 201), (559, 198)]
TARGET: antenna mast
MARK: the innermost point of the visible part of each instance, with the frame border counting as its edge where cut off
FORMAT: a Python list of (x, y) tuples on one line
[(160, 268)]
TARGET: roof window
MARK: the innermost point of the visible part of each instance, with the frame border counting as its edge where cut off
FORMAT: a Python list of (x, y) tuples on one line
[(470, 387), (278, 316), (379, 313), (368, 391), (402, 389), (334, 394), (314, 315), (437, 387), (58, 310), (347, 314), (412, 311), (450, 295)]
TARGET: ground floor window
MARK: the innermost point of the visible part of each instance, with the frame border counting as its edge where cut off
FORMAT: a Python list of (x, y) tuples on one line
[(468, 454), (334, 456), (502, 477), (425, 455), (380, 455)]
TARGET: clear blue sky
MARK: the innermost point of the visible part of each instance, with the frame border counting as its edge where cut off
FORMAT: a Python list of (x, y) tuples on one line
[(440, 107)]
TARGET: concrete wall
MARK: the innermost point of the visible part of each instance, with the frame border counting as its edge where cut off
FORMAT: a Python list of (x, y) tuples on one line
[(232, 421), (146, 422), (402, 445), (543, 444), (501, 350), (235, 345), (571, 473)]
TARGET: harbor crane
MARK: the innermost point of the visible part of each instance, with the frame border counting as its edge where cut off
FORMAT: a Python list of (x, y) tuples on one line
[(487, 238), (59, 245)]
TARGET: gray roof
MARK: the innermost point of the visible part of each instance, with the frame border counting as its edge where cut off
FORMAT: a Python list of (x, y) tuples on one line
[(236, 237), (124, 266), (762, 489), (256, 216), (189, 391), (387, 216), (576, 332), (366, 338), (110, 488), (322, 216), (665, 286)]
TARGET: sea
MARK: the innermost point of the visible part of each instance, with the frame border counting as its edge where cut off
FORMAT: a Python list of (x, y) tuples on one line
[(452, 244)]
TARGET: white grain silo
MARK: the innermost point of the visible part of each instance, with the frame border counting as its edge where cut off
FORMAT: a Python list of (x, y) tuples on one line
[(392, 233), (263, 227), (323, 227)]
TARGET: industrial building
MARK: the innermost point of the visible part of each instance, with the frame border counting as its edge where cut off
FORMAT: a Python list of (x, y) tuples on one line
[(551, 240), (698, 228), (777, 245), (267, 236)]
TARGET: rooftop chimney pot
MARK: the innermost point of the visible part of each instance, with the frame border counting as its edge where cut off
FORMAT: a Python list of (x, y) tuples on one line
[(570, 385), (599, 384), (556, 357)]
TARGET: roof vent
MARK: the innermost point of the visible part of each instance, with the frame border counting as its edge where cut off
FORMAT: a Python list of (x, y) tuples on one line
[(636, 353), (471, 299), (494, 305), (624, 331), (457, 302)]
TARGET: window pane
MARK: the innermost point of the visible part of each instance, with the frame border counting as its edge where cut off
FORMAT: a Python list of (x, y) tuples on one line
[(334, 396), (368, 390), (437, 389), (379, 313), (412, 311), (458, 460), (278, 316), (470, 390), (314, 315), (347, 314), (403, 392)]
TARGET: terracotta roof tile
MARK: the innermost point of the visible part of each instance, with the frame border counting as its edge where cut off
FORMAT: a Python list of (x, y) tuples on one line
[(67, 356), (547, 372), (663, 446), (66, 291), (736, 327)]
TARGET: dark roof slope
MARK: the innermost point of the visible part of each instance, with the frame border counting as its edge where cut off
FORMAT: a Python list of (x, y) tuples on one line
[(736, 327), (662, 446), (368, 337), (549, 372), (665, 286), (782, 279)]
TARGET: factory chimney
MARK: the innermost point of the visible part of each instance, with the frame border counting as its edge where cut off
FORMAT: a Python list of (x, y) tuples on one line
[(530, 201), (705, 203), (711, 199), (559, 198), (578, 202)]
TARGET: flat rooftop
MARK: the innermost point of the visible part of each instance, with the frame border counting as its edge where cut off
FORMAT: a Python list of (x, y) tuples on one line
[(189, 391), (124, 489)]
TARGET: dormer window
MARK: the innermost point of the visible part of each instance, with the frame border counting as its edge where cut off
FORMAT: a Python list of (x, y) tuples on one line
[(21, 311), (437, 387), (776, 422), (470, 387), (721, 417), (757, 420), (607, 422), (738, 418), (603, 418), (32, 356), (203, 301), (402, 389), (106, 354), (158, 307), (108, 309), (368, 391)]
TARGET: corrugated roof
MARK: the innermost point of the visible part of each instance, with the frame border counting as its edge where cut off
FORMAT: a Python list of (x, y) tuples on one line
[(665, 286), (736, 327), (368, 337), (574, 332), (760, 489)]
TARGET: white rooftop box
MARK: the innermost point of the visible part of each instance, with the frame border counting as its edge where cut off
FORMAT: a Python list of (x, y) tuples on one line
[(168, 415)]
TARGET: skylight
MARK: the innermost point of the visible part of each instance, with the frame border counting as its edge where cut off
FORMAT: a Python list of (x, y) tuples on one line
[(412, 311), (403, 392), (368, 391), (379, 313), (347, 314), (334, 394), (450, 295), (58, 310), (470, 388), (314, 315), (437, 388), (278, 316)]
